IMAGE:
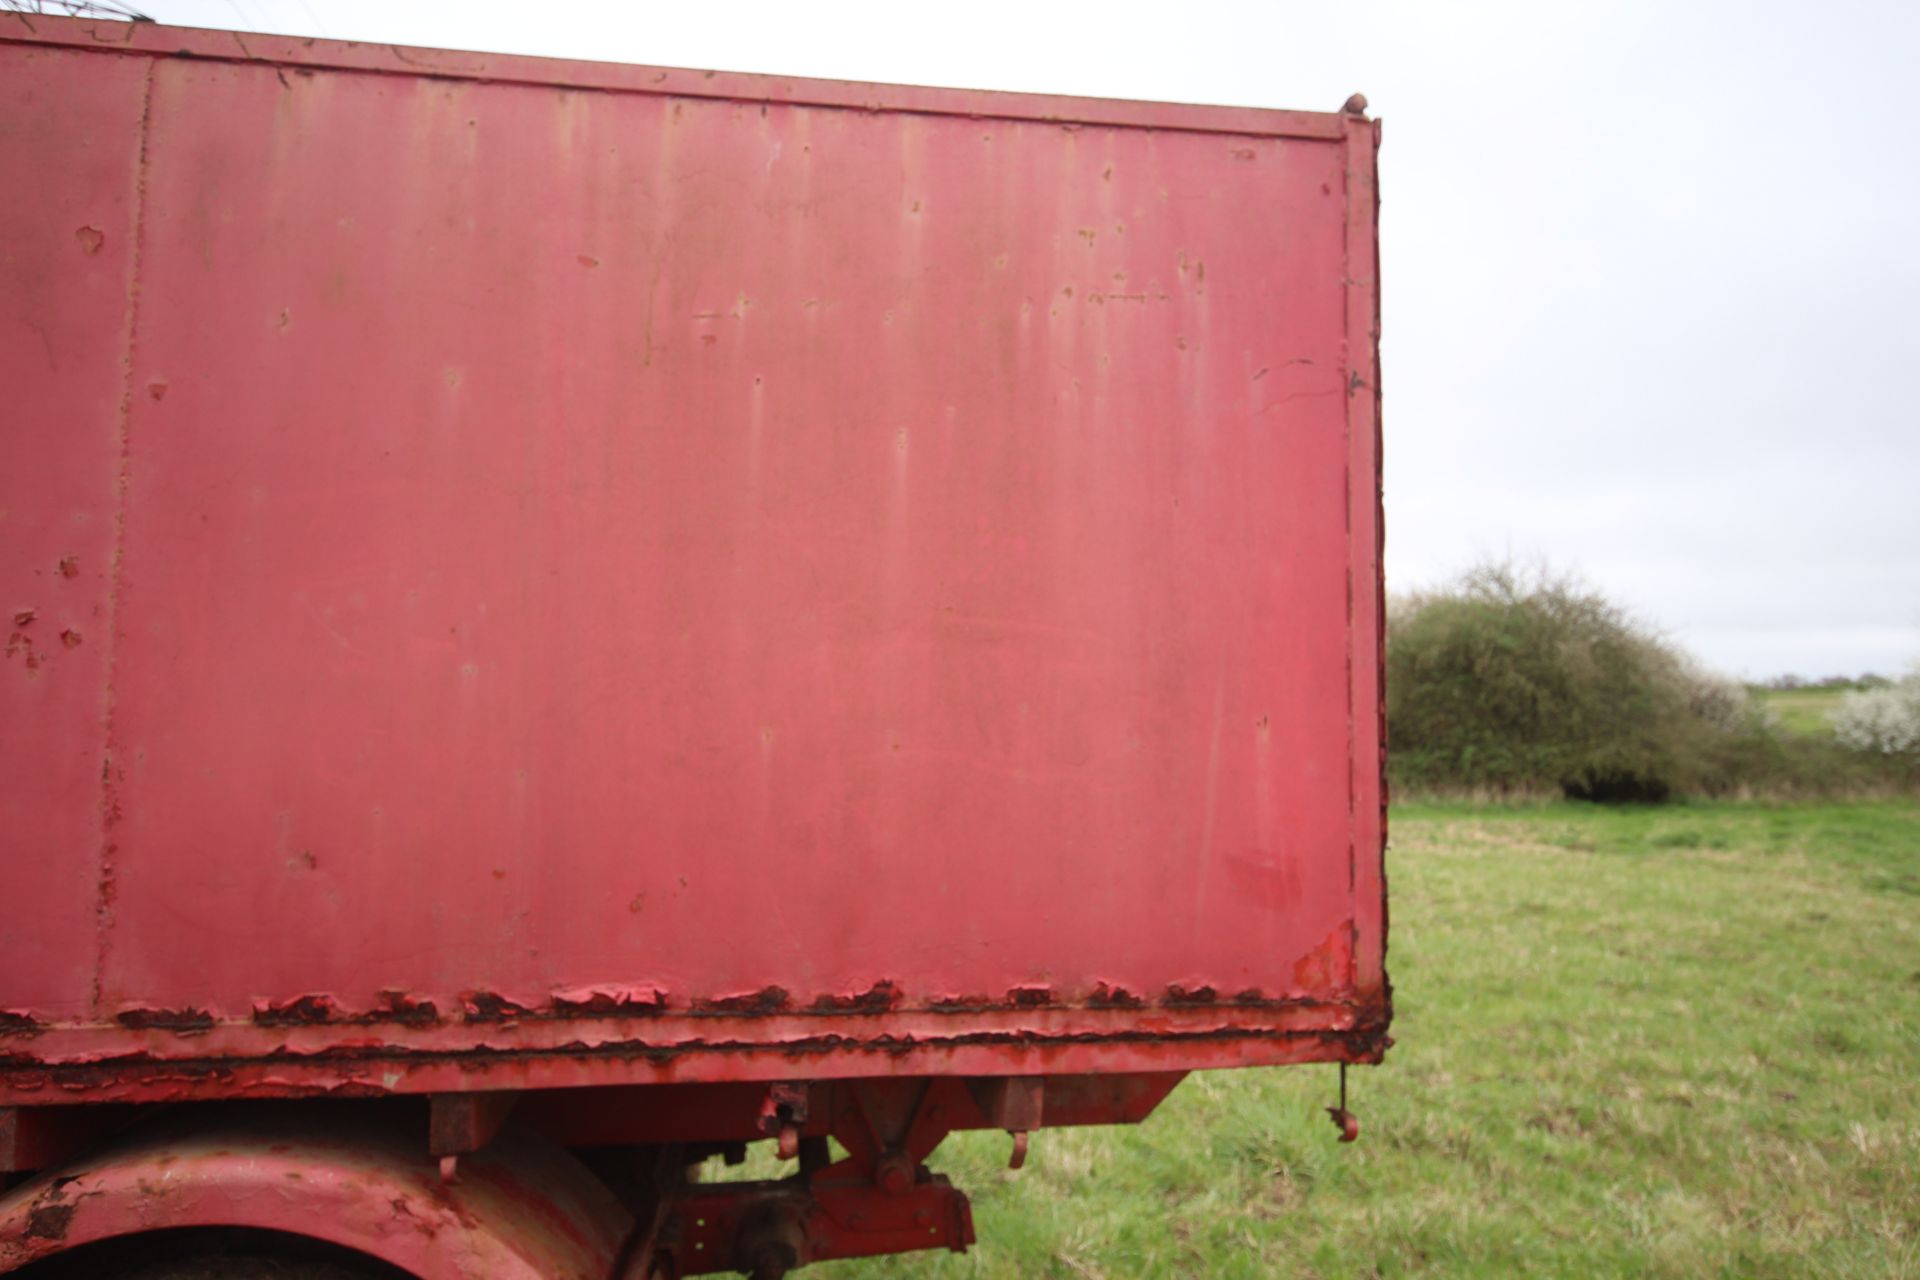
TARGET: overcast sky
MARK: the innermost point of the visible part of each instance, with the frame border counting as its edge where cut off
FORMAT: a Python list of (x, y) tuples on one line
[(1651, 268)]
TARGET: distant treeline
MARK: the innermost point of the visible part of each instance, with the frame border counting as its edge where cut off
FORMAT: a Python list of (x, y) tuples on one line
[(1788, 683), (1517, 682)]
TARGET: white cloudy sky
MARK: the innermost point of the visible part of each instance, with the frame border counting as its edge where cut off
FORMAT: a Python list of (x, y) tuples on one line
[(1651, 268)]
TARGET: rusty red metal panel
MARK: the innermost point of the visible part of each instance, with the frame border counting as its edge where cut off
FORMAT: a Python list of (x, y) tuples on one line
[(635, 582), (70, 136)]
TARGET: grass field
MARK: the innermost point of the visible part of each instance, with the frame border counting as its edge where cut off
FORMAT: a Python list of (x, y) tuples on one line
[(1667, 1042), (1803, 711)]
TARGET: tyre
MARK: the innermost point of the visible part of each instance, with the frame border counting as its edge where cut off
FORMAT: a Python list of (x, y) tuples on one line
[(253, 1266), (211, 1254)]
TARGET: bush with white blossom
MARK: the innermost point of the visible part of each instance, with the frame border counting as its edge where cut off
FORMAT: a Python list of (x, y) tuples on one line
[(1885, 720)]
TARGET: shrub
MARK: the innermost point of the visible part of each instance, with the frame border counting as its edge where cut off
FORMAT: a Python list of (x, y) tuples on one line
[(1516, 681), (1885, 720)]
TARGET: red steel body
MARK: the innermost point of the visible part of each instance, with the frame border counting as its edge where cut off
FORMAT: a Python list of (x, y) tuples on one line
[(526, 574), (693, 559)]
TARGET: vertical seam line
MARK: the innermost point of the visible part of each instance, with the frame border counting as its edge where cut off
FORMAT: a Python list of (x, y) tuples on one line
[(106, 871), (1346, 502)]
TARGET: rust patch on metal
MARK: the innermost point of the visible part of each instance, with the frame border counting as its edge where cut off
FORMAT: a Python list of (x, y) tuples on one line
[(1029, 997), (1362, 1044), (90, 238), (1185, 996), (398, 1006), (607, 1004), (1106, 997), (305, 1011), (879, 998), (1255, 998), (70, 567), (187, 1022), (767, 1000), (18, 1024), (1326, 964), (51, 1219)]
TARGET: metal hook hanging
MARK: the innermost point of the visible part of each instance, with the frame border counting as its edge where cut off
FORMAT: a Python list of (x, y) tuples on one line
[(1344, 1120)]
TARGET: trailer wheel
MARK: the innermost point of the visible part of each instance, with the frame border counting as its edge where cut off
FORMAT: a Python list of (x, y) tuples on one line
[(311, 1193)]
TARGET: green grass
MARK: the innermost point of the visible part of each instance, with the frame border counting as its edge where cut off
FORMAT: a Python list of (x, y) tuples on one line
[(1808, 712), (1660, 1042)]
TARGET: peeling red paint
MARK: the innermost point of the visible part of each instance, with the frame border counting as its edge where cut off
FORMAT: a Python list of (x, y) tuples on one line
[(488, 1006), (49, 1219), (310, 1010), (372, 1073), (1326, 964), (764, 1001), (607, 1002), (183, 1021), (397, 1006), (879, 998)]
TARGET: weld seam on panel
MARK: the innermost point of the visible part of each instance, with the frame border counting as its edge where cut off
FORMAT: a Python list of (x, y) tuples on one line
[(106, 868), (823, 101)]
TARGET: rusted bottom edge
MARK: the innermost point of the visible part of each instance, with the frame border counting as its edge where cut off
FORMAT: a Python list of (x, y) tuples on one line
[(1361, 1044)]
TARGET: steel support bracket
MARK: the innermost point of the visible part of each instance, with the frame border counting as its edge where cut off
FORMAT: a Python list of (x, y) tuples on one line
[(1014, 1103), (460, 1123), (767, 1228)]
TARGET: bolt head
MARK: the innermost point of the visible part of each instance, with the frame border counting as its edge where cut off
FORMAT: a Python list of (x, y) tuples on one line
[(896, 1176)]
